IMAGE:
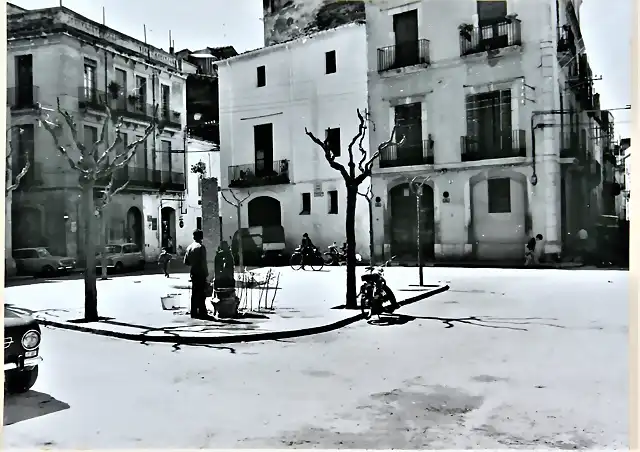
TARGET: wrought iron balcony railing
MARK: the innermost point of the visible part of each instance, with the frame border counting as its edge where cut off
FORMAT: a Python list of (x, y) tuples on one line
[(255, 175), (404, 54), (408, 154), (148, 178), (498, 146), (503, 33), (571, 146)]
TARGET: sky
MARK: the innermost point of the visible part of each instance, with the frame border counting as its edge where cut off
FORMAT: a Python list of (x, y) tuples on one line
[(196, 24)]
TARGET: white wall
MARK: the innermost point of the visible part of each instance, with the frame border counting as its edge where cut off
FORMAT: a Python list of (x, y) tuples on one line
[(298, 94), (199, 150)]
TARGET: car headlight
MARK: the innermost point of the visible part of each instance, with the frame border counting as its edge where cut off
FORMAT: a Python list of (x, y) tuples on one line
[(31, 340)]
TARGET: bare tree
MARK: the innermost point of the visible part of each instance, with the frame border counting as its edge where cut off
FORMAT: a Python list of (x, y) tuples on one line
[(417, 188), (352, 182), (92, 166), (238, 206), (9, 186), (368, 195), (107, 195)]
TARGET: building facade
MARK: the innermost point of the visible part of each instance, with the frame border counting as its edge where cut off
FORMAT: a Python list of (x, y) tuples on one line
[(267, 99), (494, 100), (56, 55)]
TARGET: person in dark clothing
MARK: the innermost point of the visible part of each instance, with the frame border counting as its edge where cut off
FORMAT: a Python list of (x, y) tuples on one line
[(196, 258), (307, 249), (529, 251), (164, 260)]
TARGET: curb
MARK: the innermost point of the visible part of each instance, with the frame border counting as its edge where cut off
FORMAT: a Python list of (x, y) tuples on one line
[(231, 339)]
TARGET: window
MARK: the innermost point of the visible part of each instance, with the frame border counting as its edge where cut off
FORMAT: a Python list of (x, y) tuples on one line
[(263, 149), (199, 223), (408, 120), (499, 194), (306, 204), (330, 62), (24, 149), (490, 11), (333, 139), (333, 202), (121, 80), (24, 81), (489, 123), (125, 143), (262, 76), (90, 80), (141, 153), (166, 101), (166, 157), (141, 91)]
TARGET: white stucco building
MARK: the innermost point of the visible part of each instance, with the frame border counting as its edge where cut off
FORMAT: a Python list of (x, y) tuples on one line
[(464, 82), (267, 98), (208, 153)]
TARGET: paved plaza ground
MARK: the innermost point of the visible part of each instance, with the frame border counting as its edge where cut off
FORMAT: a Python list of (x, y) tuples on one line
[(504, 359)]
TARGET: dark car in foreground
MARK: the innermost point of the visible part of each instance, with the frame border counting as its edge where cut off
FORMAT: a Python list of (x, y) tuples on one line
[(21, 351)]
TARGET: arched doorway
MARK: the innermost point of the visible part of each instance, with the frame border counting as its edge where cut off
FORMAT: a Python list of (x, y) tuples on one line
[(26, 228), (499, 215), (168, 222), (264, 211), (134, 227), (403, 223)]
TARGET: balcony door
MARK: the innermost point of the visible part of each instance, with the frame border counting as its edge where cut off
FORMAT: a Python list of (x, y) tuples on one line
[(489, 124), (263, 145), (24, 80), (493, 29), (90, 81), (408, 120), (121, 80), (405, 29), (141, 92)]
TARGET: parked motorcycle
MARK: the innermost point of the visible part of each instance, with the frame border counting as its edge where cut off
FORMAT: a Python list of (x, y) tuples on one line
[(337, 256), (375, 296)]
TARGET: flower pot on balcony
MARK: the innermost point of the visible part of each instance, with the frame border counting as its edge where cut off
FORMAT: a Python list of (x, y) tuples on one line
[(465, 31), (114, 89), (510, 18), (132, 99)]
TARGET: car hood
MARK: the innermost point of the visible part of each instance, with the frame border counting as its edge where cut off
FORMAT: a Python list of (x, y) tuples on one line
[(13, 318)]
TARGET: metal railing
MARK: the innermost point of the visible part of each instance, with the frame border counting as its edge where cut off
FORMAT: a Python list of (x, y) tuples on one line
[(170, 117), (253, 175), (506, 32), (572, 147), (566, 41), (403, 54), (23, 97), (407, 155), (504, 145), (148, 178)]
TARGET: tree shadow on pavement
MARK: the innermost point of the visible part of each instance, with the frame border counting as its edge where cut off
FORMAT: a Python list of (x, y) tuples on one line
[(506, 323), (30, 405)]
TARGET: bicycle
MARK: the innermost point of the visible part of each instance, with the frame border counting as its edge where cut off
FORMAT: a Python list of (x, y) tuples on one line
[(375, 292), (297, 260)]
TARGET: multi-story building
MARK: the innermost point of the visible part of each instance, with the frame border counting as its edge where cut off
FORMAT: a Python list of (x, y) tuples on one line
[(494, 100), (267, 98), (56, 55)]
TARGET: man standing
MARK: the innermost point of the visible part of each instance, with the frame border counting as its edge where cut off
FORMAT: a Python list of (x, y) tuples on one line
[(196, 258)]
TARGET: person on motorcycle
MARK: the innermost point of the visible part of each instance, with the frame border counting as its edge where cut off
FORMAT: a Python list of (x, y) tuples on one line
[(307, 248), (343, 248)]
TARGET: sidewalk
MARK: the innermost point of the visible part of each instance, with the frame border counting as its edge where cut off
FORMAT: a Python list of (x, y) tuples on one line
[(131, 309)]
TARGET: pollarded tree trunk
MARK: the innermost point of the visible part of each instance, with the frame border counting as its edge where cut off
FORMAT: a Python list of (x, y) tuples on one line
[(350, 226), (90, 234)]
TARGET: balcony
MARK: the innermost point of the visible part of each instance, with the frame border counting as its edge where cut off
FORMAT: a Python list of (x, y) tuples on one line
[(498, 35), (23, 97), (404, 54), (407, 155), (503, 146), (244, 176), (132, 107), (566, 41), (572, 147), (142, 178), (171, 118)]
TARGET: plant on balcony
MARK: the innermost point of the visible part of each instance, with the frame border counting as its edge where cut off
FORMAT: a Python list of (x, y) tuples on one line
[(199, 168), (114, 89), (465, 31), (510, 18), (352, 181), (93, 165), (132, 99)]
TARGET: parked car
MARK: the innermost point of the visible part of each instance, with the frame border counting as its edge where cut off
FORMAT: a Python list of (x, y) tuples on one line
[(121, 257), (39, 261), (22, 337)]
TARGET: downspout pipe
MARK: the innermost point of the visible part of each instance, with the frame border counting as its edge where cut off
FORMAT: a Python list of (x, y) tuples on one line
[(534, 127)]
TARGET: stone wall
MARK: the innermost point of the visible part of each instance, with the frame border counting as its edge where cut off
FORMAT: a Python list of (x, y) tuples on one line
[(210, 218), (297, 18)]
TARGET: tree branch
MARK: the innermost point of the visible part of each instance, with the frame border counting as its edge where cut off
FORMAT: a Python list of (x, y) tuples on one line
[(368, 194), (53, 129), (363, 124), (72, 127), (328, 155), (27, 165), (125, 156), (359, 135), (369, 165), (108, 194)]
